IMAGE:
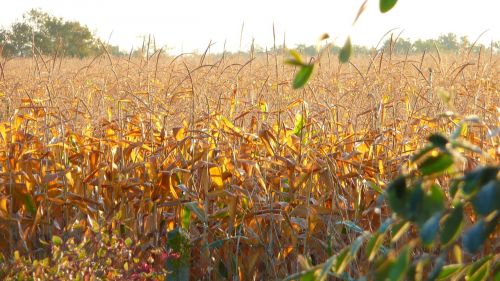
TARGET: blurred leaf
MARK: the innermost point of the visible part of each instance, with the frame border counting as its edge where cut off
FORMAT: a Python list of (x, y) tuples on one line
[(438, 140), (297, 59), (360, 11), (397, 194), (373, 245), (346, 51), (387, 5), (324, 36), (325, 269), (449, 271), (430, 229), (487, 199), (480, 270), (200, 213), (479, 177), (461, 128), (178, 241), (400, 266), (436, 270), (222, 270), (128, 242), (30, 205), (303, 76), (475, 236), (399, 229), (435, 164), (434, 200), (309, 276), (56, 240), (299, 124), (351, 225), (186, 217), (422, 152), (294, 62), (342, 260), (452, 226)]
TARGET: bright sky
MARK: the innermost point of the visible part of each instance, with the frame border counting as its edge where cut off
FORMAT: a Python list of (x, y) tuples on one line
[(190, 24)]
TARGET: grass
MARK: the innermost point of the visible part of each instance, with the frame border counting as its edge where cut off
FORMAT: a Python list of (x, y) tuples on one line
[(112, 168)]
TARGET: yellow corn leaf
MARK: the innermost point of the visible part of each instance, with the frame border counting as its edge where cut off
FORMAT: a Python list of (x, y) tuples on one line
[(3, 207), (216, 176)]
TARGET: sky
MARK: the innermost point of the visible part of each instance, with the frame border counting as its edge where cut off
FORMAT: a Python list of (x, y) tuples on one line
[(187, 25)]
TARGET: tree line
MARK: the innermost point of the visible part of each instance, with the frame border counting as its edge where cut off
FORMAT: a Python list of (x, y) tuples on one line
[(42, 34)]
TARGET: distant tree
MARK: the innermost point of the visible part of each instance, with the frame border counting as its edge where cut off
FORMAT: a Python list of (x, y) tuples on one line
[(447, 42), (400, 46), (306, 50), (464, 42), (48, 35)]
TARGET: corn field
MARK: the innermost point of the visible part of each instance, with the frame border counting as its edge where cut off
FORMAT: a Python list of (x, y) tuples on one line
[(111, 168)]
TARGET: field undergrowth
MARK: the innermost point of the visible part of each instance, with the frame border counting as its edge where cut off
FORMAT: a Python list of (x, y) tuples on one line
[(215, 167)]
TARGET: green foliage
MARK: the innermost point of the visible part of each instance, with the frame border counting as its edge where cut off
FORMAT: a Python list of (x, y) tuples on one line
[(386, 5), (415, 199), (302, 76), (299, 124), (346, 51), (42, 33), (178, 242)]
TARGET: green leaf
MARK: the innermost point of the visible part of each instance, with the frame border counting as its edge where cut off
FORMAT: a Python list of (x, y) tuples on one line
[(399, 229), (435, 164), (57, 240), (461, 128), (178, 241), (433, 201), (30, 205), (186, 217), (487, 199), (325, 269), (397, 194), (373, 245), (128, 242), (222, 269), (193, 206), (414, 209), (438, 140), (356, 245), (475, 236), (296, 60), (302, 76), (346, 51), (480, 271), (343, 260), (308, 276), (387, 5), (496, 275), (299, 124), (449, 271), (422, 152), (400, 266), (452, 226), (436, 270), (351, 225), (430, 229), (479, 177)]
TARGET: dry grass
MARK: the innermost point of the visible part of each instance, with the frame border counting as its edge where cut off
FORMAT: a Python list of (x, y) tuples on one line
[(108, 148)]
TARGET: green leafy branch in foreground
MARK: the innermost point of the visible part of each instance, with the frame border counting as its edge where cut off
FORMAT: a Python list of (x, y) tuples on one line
[(436, 215), (306, 69)]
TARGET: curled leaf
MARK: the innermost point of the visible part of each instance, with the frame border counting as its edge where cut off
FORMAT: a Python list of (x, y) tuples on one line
[(303, 76), (387, 5), (346, 51)]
